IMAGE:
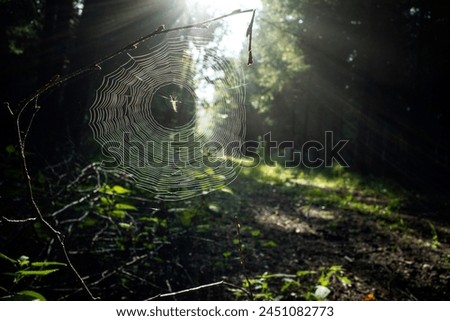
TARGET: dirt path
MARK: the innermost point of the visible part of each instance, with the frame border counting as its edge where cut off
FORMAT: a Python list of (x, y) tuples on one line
[(293, 245)]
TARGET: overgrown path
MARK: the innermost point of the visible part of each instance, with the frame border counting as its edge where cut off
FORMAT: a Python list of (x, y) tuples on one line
[(302, 236), (358, 241)]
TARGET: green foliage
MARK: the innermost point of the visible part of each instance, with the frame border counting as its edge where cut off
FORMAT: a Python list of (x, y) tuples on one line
[(26, 295), (110, 206), (114, 190), (269, 244), (435, 238), (302, 285), (328, 274), (187, 215), (122, 225), (24, 268), (22, 22), (279, 53)]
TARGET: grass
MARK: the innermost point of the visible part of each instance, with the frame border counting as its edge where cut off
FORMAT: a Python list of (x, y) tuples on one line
[(336, 187)]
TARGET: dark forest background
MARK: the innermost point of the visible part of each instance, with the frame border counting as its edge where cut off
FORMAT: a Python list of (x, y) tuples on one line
[(373, 72)]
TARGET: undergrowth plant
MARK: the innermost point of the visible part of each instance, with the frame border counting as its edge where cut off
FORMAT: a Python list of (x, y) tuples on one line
[(24, 268), (304, 285)]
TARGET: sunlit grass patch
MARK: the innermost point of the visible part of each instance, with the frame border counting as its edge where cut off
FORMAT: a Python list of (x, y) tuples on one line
[(331, 188), (269, 174), (334, 178)]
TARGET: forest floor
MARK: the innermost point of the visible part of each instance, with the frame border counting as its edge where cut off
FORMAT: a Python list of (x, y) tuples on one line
[(329, 237), (273, 234)]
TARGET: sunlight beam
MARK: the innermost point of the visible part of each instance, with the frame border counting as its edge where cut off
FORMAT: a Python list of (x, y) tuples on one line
[(232, 33)]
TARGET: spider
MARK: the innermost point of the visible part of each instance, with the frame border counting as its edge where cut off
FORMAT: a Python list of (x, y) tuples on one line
[(173, 101)]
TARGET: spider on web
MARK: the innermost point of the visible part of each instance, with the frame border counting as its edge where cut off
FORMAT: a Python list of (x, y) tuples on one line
[(173, 101)]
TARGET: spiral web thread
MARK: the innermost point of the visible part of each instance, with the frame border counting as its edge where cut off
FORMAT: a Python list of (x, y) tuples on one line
[(134, 112)]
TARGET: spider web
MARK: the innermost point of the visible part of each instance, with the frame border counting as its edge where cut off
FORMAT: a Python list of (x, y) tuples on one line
[(173, 119)]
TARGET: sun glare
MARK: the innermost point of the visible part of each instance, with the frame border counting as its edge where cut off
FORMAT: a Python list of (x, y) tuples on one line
[(234, 27), (226, 6)]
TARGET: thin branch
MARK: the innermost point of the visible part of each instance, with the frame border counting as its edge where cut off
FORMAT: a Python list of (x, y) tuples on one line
[(58, 80), (35, 111), (77, 202), (83, 173), (6, 104), (26, 220), (22, 143), (249, 34), (197, 288), (75, 220), (108, 273)]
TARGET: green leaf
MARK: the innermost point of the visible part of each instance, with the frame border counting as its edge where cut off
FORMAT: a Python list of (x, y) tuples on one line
[(31, 296), (116, 189), (202, 228), (125, 207), (125, 226), (255, 233), (214, 208), (323, 280), (149, 219), (106, 200), (335, 268), (226, 254), (226, 189), (118, 214), (269, 244), (304, 273), (288, 283), (120, 190), (35, 273), (105, 189), (88, 222), (43, 264), (187, 216), (345, 280)]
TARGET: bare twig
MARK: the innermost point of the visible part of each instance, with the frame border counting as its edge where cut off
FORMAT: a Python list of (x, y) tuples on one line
[(94, 166), (22, 143), (249, 34), (108, 273), (6, 104), (77, 202), (58, 80), (25, 220), (197, 288), (75, 220)]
